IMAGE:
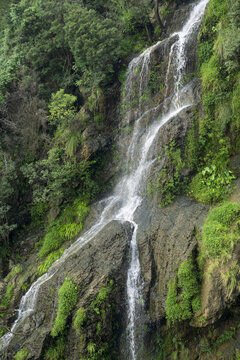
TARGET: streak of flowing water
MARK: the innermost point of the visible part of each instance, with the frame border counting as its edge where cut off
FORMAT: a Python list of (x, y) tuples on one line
[(126, 196)]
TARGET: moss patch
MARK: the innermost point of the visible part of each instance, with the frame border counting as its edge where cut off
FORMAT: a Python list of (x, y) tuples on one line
[(183, 299), (219, 235), (67, 299), (65, 227)]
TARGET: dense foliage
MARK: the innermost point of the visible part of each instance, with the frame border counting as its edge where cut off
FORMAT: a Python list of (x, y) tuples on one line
[(67, 298), (215, 134), (220, 231), (183, 299), (219, 129), (57, 58)]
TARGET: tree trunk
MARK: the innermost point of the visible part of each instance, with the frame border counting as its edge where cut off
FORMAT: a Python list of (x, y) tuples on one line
[(149, 30), (157, 16)]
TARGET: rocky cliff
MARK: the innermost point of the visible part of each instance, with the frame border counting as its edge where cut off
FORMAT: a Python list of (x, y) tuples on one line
[(81, 309)]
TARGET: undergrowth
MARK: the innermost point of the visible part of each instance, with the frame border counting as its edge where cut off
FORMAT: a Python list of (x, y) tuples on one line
[(21, 354), (218, 135), (219, 233), (50, 259), (67, 226), (183, 299), (67, 299)]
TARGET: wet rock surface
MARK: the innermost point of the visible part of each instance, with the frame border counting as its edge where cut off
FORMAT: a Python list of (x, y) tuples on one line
[(166, 238), (91, 267)]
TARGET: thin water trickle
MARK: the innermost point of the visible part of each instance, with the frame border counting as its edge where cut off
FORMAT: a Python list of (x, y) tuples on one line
[(127, 195)]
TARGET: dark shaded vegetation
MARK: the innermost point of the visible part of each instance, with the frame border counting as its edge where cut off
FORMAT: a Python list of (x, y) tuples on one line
[(215, 134), (57, 61), (218, 133)]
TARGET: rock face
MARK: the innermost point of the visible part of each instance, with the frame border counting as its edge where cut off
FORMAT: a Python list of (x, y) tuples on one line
[(104, 259), (166, 238), (220, 287)]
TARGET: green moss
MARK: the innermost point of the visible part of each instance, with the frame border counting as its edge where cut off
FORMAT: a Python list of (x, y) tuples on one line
[(5, 302), (218, 239), (2, 331), (99, 316), (21, 354), (65, 227), (188, 282), (17, 269), (79, 320), (102, 297), (67, 298), (172, 306), (211, 79), (183, 299), (50, 259)]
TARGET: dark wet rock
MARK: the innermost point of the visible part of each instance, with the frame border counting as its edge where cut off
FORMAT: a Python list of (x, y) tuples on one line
[(91, 267), (166, 238)]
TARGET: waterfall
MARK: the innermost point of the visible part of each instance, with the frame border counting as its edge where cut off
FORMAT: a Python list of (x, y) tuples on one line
[(127, 195)]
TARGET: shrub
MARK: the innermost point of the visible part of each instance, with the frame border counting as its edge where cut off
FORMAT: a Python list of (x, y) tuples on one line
[(102, 297), (51, 258), (236, 105), (7, 297), (21, 354), (211, 184), (173, 311), (188, 282), (67, 298), (65, 227), (217, 238), (184, 306)]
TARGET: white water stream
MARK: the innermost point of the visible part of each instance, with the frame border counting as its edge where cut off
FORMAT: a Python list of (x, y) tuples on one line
[(127, 195)]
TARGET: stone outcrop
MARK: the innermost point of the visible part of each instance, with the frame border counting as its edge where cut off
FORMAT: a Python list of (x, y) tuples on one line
[(104, 259), (166, 238)]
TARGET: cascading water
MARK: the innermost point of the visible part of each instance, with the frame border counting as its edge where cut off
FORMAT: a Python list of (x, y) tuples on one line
[(127, 196)]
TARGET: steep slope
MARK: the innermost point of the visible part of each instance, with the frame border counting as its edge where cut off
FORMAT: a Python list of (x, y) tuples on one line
[(96, 301)]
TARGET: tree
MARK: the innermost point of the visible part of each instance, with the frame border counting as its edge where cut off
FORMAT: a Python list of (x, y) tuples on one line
[(7, 176), (94, 43), (156, 12)]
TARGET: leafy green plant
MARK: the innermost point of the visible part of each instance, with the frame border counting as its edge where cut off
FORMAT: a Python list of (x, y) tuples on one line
[(79, 320), (102, 297), (168, 186), (5, 302), (50, 259), (21, 354), (183, 299), (211, 185), (217, 238), (227, 335), (2, 331), (67, 299), (91, 347), (65, 227)]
